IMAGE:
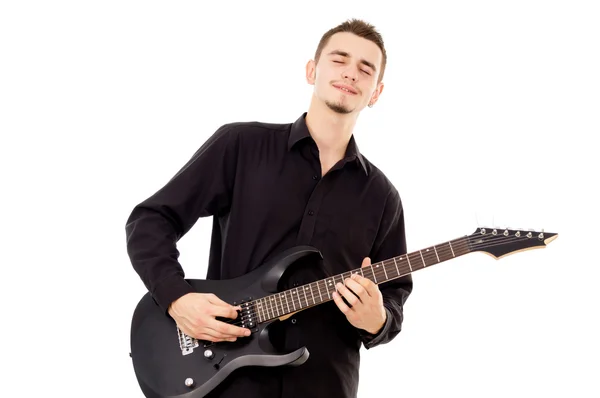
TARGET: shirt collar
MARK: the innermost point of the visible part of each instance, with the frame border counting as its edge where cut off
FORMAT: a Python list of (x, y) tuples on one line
[(300, 131)]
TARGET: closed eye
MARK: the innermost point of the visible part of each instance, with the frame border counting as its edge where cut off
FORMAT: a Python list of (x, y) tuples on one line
[(362, 70)]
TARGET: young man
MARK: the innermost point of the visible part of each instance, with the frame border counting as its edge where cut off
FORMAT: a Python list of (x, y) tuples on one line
[(270, 187)]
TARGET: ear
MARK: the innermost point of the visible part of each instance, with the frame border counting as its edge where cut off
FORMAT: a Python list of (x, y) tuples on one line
[(311, 72), (376, 93)]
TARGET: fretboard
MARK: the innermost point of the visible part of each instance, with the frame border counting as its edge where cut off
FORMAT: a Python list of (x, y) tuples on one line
[(318, 292)]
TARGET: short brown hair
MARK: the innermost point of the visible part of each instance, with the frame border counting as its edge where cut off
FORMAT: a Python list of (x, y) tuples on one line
[(360, 28)]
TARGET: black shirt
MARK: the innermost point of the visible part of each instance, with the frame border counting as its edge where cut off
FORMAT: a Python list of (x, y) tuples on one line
[(262, 184)]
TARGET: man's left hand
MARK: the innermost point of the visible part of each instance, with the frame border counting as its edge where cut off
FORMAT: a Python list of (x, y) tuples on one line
[(367, 311)]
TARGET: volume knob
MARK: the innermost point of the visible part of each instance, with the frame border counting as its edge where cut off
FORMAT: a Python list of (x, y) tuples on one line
[(208, 354)]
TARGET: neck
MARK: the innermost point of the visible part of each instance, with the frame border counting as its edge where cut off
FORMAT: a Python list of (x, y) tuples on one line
[(282, 305), (330, 130)]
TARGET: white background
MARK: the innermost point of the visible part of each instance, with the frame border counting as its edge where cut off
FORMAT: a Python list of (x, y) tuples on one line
[(489, 117)]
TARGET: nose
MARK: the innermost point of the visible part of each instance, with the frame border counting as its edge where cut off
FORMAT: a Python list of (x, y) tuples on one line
[(350, 74)]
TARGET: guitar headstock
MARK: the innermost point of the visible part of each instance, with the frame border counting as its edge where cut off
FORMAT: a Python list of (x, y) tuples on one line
[(499, 242)]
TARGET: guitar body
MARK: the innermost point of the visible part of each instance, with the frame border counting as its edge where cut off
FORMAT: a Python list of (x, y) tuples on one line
[(168, 363)]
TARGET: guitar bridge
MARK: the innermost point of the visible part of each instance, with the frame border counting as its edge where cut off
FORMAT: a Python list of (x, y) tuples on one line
[(186, 343)]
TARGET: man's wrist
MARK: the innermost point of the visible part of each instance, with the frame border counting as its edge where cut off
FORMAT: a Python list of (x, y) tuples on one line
[(380, 326)]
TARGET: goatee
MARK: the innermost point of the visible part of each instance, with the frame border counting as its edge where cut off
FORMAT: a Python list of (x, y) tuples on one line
[(338, 108)]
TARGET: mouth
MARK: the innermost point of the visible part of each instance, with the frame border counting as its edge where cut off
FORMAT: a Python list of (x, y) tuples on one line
[(345, 89)]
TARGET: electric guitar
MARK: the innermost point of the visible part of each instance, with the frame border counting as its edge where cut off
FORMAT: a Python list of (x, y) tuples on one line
[(169, 363)]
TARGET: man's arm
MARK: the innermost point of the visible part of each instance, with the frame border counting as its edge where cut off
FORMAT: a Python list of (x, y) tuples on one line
[(390, 242), (202, 187)]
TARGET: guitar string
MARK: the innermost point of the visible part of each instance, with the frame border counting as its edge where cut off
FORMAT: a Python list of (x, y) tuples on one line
[(294, 301), (269, 308)]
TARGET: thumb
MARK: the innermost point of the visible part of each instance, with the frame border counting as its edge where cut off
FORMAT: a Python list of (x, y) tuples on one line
[(366, 262)]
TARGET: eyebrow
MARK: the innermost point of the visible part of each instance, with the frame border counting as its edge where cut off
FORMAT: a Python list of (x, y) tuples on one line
[(346, 54)]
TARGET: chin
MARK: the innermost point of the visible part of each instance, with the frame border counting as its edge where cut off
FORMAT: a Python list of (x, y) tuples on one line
[(339, 108)]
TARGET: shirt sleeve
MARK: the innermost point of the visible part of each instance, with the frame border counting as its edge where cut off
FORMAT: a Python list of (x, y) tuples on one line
[(201, 188), (390, 242)]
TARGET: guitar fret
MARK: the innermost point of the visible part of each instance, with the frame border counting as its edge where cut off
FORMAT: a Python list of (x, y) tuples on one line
[(430, 256), (436, 254), (373, 271), (287, 302), (422, 259), (293, 300), (281, 301), (328, 291), (450, 243), (268, 307), (305, 297), (312, 294), (398, 271), (300, 306), (409, 265), (384, 271), (277, 309), (299, 298), (319, 287), (263, 309), (259, 310)]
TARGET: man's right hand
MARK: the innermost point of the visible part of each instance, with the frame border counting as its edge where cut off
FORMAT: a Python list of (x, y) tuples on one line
[(195, 315)]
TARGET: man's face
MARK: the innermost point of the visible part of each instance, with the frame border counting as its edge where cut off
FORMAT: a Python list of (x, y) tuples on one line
[(345, 77)]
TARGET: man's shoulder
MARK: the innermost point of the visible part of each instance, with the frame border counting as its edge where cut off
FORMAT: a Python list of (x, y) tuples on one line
[(254, 128)]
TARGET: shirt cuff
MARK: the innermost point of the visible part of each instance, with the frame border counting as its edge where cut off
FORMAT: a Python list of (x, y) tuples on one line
[(370, 340), (169, 290)]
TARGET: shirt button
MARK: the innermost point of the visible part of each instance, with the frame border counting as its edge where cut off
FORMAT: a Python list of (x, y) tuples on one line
[(294, 320), (315, 177), (310, 212)]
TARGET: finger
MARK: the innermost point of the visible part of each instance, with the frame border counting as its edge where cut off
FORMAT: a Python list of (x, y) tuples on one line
[(214, 299), (366, 262), (368, 284), (357, 288), (348, 295), (340, 303), (200, 334), (365, 283), (227, 312), (219, 335), (214, 335), (371, 287), (225, 328)]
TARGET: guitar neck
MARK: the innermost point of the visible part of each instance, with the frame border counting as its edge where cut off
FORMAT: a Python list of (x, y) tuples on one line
[(281, 304)]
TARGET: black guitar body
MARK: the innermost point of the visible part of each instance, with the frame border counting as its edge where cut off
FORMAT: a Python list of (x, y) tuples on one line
[(167, 364)]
